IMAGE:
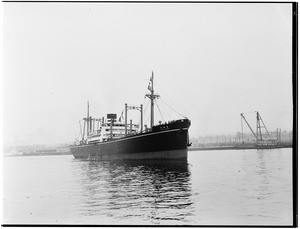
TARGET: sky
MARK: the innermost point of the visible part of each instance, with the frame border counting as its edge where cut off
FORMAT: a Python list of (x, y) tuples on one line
[(211, 62)]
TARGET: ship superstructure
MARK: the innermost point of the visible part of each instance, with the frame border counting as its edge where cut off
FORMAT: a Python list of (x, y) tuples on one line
[(109, 129)]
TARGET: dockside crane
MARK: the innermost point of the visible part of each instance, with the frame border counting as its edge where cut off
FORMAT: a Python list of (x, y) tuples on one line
[(243, 117), (259, 126)]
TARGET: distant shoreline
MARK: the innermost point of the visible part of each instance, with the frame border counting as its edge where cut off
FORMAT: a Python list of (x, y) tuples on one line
[(241, 147), (36, 154)]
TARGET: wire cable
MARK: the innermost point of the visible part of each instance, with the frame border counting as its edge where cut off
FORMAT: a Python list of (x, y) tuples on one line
[(173, 109), (144, 112), (160, 111)]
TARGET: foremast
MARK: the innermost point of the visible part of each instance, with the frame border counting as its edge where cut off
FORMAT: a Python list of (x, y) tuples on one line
[(152, 97)]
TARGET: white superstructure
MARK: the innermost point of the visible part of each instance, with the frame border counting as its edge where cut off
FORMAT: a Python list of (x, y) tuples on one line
[(110, 131)]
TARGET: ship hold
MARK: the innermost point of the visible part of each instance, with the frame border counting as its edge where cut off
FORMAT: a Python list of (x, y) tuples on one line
[(112, 139)]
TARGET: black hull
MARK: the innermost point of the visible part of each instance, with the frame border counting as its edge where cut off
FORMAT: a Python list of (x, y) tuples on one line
[(168, 141)]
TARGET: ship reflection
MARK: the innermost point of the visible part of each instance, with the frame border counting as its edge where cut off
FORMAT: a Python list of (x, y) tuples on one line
[(138, 192)]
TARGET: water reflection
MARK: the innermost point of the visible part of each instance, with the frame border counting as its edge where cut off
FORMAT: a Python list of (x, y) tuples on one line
[(260, 183), (154, 191), (267, 172)]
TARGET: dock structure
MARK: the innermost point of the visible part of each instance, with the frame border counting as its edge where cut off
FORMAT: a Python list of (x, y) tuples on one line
[(259, 138), (242, 147)]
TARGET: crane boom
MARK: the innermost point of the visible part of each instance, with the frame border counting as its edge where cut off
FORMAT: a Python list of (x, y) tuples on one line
[(242, 115)]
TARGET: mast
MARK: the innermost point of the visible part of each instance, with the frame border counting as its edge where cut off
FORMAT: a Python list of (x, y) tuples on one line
[(152, 97), (242, 130), (83, 131), (80, 130), (141, 118), (125, 119), (152, 100), (259, 118), (88, 118), (258, 127)]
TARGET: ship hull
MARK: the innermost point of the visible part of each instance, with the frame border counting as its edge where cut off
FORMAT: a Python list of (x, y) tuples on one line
[(168, 141)]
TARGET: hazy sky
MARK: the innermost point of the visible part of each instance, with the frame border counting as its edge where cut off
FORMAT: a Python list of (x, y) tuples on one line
[(211, 63)]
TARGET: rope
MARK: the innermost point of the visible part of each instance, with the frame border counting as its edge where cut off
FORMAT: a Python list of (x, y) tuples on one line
[(148, 117), (121, 116), (160, 112), (158, 88), (164, 110), (173, 109)]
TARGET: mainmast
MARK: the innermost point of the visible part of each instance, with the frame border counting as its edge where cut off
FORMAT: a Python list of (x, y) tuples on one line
[(152, 97)]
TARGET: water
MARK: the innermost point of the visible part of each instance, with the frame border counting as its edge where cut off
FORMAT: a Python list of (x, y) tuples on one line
[(238, 187)]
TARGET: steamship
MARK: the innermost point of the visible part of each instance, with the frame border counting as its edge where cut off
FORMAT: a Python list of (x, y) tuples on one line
[(115, 139)]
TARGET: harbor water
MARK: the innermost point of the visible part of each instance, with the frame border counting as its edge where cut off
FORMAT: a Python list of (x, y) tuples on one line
[(228, 187)]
